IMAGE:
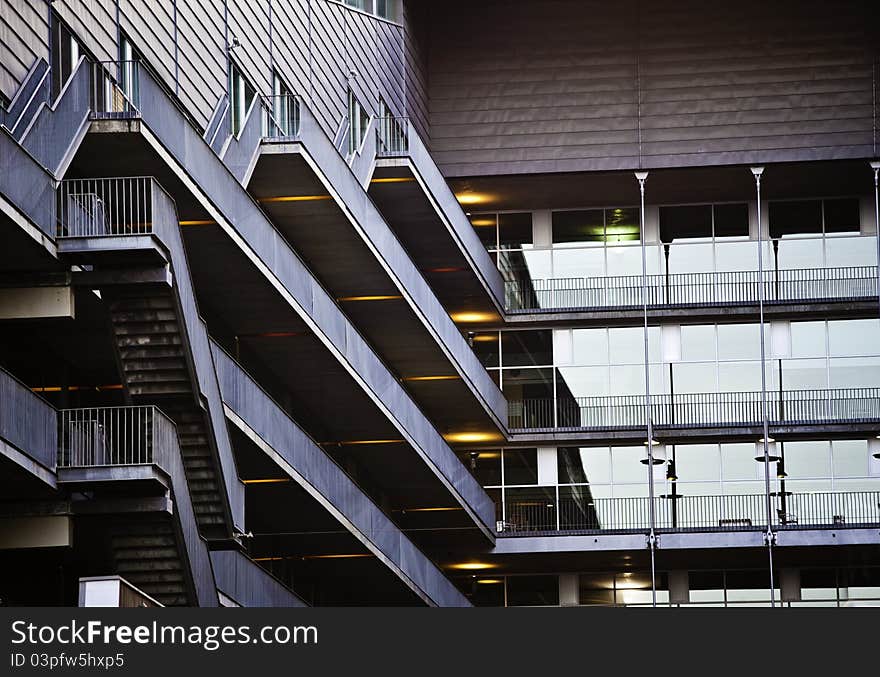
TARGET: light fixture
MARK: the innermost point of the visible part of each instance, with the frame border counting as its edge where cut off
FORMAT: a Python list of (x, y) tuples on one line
[(270, 480), (474, 456), (473, 316), (471, 198), (489, 581), (393, 179), (658, 453), (471, 437), (294, 198), (874, 447), (479, 223), (432, 378), (472, 566), (375, 297), (671, 475), (780, 469), (347, 443)]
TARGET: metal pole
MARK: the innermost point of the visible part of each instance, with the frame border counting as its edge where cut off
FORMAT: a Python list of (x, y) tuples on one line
[(769, 537), (641, 177), (875, 165)]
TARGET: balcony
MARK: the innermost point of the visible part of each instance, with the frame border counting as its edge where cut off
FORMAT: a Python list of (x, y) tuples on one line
[(105, 444), (696, 411), (692, 290), (539, 511)]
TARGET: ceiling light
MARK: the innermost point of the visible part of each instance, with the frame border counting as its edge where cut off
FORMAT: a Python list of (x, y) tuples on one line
[(295, 198), (466, 437), (473, 316), (472, 198), (376, 297), (472, 566)]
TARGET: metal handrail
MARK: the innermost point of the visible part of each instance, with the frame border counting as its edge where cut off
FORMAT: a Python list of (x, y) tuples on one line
[(692, 289), (537, 512), (392, 136), (114, 96), (281, 116), (105, 207), (113, 436), (696, 409)]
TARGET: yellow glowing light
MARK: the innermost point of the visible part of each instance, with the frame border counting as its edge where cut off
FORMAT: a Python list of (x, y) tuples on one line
[(451, 509), (473, 316), (489, 581), (58, 389), (486, 338), (270, 480), (472, 566), (339, 556), (471, 437), (483, 222), (489, 454), (295, 198), (471, 198), (358, 442), (394, 179), (431, 378), (201, 222), (385, 297)]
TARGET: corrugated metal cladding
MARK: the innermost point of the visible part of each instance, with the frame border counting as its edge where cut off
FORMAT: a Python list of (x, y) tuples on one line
[(314, 44), (566, 85)]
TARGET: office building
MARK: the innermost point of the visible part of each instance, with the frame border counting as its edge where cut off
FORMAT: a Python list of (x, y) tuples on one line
[(383, 302)]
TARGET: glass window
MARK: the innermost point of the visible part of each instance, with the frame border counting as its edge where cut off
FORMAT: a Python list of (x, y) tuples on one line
[(841, 215), (596, 589), (698, 342), (739, 341), (626, 465), (807, 459), (804, 374), (854, 372), (698, 462), (583, 381), (853, 337), (578, 227), (622, 225), (282, 117), (520, 466), (691, 257), (685, 222), (590, 346), (795, 217), (731, 220), (532, 591), (358, 121), (741, 376), (485, 466), (843, 252), (486, 347), (738, 462), (486, 227), (515, 229), (529, 383), (387, 9), (584, 465), (627, 345), (527, 348), (808, 339), (694, 378), (241, 97), (850, 458)]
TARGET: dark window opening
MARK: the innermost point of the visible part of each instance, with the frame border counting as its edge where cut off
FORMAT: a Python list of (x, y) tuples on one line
[(685, 222), (842, 215), (731, 220), (532, 591), (515, 230), (795, 218)]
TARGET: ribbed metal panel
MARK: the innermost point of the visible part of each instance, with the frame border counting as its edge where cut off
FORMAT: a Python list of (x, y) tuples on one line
[(564, 85), (24, 30)]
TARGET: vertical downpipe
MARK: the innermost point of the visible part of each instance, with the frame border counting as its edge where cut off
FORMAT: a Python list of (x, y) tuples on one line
[(769, 536), (642, 177)]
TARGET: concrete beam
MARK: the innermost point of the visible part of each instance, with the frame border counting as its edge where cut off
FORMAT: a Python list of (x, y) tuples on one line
[(36, 532), (36, 303)]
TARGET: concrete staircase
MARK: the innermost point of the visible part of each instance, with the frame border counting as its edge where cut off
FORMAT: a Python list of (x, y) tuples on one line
[(151, 348), (147, 553)]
